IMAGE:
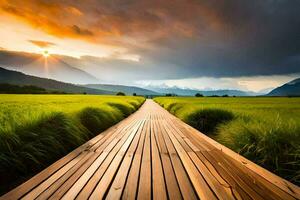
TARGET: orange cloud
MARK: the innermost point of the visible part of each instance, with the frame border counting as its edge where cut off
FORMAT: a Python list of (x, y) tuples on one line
[(74, 11), (41, 44), (48, 17)]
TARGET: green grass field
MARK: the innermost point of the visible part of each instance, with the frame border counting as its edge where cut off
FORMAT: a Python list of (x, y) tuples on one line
[(265, 130), (36, 130)]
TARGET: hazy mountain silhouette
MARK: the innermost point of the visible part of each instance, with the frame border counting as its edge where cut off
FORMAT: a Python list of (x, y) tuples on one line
[(128, 90), (19, 78), (291, 88)]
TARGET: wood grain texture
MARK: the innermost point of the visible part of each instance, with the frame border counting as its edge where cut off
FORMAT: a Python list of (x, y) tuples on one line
[(154, 155)]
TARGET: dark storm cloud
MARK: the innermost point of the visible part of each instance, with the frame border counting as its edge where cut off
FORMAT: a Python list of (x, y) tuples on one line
[(179, 38), (251, 38)]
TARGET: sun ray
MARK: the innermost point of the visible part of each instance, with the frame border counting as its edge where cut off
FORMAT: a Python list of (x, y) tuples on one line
[(46, 55)]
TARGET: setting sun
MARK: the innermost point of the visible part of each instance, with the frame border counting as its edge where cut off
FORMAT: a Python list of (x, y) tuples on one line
[(46, 53)]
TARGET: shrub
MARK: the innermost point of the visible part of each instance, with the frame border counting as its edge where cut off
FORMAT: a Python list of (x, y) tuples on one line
[(135, 104), (206, 120), (120, 94), (198, 95), (170, 95), (97, 119), (123, 108)]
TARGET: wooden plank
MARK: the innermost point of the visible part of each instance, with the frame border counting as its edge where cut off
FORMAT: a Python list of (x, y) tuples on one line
[(201, 187), (186, 188), (131, 186), (169, 174), (119, 182), (158, 181), (144, 189)]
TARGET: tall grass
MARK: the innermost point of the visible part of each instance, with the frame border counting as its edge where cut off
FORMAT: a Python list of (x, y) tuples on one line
[(36, 130), (265, 130)]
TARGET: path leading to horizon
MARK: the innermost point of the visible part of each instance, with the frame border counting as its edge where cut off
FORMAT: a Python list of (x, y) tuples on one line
[(153, 154)]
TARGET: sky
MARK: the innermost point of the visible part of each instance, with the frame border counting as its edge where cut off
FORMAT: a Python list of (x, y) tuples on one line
[(202, 44)]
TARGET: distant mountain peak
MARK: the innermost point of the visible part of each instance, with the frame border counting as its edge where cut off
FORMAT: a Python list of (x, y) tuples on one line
[(291, 88)]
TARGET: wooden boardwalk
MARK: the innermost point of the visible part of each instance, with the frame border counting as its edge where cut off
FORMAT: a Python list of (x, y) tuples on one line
[(154, 155)]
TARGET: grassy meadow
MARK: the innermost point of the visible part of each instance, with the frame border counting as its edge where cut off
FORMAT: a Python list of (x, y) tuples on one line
[(36, 130), (266, 130)]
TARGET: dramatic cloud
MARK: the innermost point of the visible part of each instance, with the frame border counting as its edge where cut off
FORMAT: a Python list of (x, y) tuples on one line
[(81, 31), (41, 44), (177, 38)]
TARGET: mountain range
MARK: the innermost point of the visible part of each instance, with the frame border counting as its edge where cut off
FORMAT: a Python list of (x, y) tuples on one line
[(192, 92), (19, 78)]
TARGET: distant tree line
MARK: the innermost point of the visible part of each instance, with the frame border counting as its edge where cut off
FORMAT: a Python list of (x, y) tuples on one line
[(197, 95), (171, 95), (201, 95), (6, 88), (133, 94)]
